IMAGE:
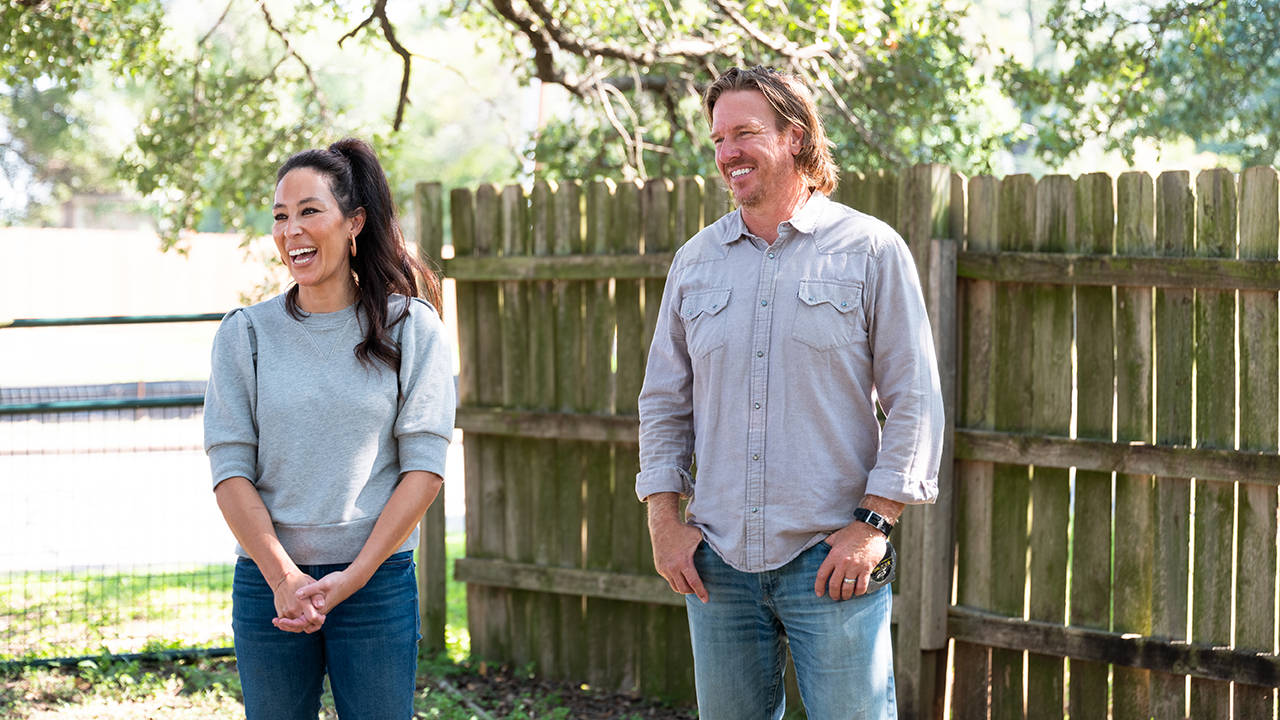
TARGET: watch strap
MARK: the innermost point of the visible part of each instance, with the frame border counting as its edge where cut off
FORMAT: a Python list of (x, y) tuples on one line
[(874, 519)]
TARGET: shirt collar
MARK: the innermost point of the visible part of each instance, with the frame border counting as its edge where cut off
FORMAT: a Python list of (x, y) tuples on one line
[(804, 221)]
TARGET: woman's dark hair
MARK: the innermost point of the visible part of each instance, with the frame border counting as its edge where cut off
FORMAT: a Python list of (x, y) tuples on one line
[(382, 265)]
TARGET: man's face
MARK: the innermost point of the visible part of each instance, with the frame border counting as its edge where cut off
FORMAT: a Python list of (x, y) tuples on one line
[(755, 158)]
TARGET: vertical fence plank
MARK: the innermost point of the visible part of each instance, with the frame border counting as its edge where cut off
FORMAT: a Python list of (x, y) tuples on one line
[(1013, 396), (1051, 414), (543, 493), (487, 608), (975, 503), (1091, 530), (1259, 417), (936, 557), (1214, 502), (626, 230), (1175, 236), (913, 221), (1135, 499), (462, 211), (432, 570), (657, 205), (689, 220), (597, 378), (519, 473), (566, 239)]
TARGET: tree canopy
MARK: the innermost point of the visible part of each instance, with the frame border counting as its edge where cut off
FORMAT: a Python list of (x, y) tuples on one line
[(213, 96)]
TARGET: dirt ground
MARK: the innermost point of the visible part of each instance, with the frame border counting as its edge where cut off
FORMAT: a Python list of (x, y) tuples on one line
[(503, 693)]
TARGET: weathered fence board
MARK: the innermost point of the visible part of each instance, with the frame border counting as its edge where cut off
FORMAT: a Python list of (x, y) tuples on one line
[(1134, 493), (1095, 370), (432, 578), (974, 502), (1051, 338), (1259, 426), (1213, 501), (1013, 402), (629, 533), (565, 230), (1175, 235), (601, 615)]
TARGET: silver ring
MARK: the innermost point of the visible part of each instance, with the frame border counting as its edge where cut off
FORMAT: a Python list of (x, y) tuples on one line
[(850, 580)]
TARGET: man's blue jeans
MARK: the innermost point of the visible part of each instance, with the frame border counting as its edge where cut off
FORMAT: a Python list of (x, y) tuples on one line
[(842, 650), (368, 645)]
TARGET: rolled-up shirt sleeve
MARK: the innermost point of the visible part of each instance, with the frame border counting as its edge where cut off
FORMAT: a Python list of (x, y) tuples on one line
[(424, 425), (905, 370), (666, 404), (230, 403)]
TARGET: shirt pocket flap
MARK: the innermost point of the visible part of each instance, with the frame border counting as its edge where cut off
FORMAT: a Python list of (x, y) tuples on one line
[(707, 302), (844, 297)]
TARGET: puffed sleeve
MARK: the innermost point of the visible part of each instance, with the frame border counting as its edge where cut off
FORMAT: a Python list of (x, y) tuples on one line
[(230, 403), (424, 424)]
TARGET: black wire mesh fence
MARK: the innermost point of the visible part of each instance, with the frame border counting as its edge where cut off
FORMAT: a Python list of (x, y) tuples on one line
[(110, 542)]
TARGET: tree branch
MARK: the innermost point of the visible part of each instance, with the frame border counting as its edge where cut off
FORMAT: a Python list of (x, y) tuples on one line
[(379, 13), (288, 47)]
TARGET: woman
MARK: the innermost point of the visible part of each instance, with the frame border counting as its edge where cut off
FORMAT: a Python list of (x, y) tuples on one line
[(327, 418)]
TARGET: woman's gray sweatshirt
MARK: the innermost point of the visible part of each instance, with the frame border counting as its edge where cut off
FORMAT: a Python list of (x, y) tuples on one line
[(323, 437)]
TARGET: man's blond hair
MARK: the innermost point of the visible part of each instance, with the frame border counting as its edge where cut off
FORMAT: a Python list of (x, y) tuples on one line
[(792, 105)]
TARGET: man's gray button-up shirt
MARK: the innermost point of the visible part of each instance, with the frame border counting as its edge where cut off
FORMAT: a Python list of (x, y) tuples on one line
[(767, 363)]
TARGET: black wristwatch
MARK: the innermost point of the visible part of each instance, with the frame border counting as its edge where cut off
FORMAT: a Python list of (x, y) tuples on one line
[(874, 519)]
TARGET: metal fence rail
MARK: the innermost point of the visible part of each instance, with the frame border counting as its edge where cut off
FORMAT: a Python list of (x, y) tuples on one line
[(109, 540)]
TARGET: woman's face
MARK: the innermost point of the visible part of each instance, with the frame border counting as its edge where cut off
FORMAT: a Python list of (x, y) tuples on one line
[(312, 235)]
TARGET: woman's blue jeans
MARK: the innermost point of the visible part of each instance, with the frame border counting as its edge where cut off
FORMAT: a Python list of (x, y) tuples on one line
[(368, 645), (842, 650)]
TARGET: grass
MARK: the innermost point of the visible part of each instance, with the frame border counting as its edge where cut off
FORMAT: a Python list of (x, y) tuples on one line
[(113, 612), (181, 690), (89, 611), (95, 611)]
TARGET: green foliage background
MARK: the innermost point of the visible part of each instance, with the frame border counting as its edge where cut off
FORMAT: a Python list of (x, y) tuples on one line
[(190, 106)]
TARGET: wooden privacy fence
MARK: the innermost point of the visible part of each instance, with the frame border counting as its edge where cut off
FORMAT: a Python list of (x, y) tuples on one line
[(1109, 359), (1151, 308)]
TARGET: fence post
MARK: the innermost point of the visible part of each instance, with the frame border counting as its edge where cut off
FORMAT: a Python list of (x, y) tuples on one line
[(431, 551), (925, 218)]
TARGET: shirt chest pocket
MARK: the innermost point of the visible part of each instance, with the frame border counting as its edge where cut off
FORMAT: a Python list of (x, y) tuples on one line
[(704, 320), (829, 314)]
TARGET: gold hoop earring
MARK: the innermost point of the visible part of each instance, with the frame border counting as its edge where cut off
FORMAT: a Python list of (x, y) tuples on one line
[(353, 246)]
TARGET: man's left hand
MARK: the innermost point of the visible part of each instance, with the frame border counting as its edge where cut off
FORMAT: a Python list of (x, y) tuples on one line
[(855, 550)]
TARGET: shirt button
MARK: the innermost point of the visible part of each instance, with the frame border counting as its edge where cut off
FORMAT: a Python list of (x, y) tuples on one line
[(764, 303), (770, 256), (757, 406), (759, 353), (755, 509), (756, 456)]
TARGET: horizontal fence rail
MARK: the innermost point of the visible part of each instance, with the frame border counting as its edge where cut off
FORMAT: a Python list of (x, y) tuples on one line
[(107, 320), (1002, 267), (71, 406), (1127, 649)]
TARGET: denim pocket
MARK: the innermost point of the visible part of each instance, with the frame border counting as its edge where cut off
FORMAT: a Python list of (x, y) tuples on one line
[(829, 314), (704, 320)]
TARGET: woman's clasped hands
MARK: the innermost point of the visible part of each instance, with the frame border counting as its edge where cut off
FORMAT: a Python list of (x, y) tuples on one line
[(302, 601)]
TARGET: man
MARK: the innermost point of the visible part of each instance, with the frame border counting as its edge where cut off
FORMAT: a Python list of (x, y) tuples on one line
[(781, 325)]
